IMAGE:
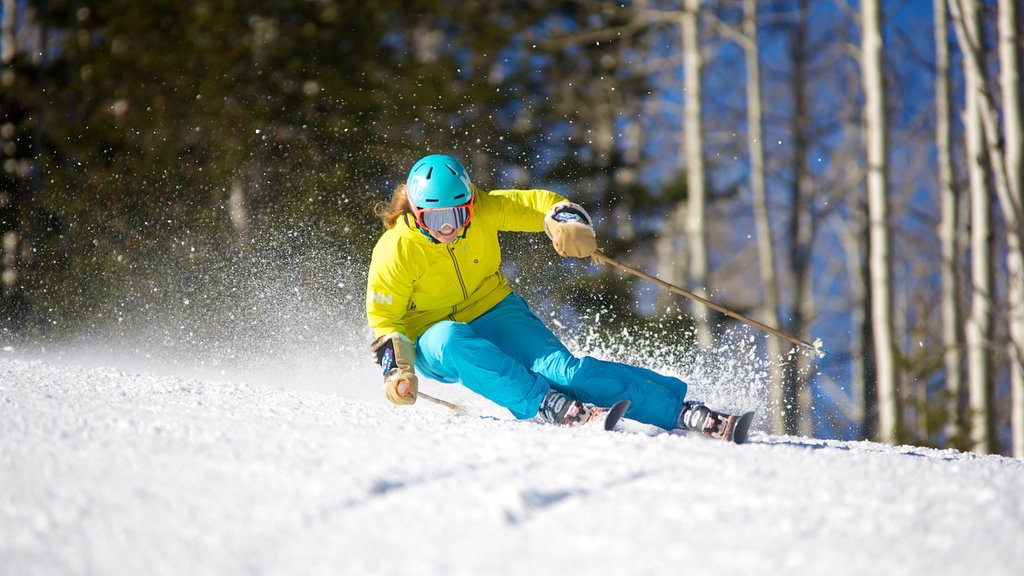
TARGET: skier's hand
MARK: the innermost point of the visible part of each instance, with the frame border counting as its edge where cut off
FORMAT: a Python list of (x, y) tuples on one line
[(569, 228), (397, 357), (400, 387)]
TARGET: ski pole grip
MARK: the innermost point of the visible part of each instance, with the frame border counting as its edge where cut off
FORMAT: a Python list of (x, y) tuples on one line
[(403, 388)]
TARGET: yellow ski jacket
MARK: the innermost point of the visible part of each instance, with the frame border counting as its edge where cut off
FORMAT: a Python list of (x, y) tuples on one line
[(415, 282)]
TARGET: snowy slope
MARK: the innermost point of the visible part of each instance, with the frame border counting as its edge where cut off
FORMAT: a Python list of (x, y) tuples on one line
[(112, 471)]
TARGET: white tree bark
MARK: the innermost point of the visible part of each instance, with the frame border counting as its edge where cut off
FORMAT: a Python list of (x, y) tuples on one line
[(1013, 208), (1005, 165), (952, 322), (693, 160), (979, 324), (879, 255), (762, 221)]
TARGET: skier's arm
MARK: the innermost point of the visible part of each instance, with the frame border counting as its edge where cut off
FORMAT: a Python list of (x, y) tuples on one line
[(389, 289), (521, 210), (567, 224)]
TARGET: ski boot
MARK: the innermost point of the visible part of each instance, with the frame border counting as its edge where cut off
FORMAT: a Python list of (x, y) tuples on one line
[(558, 408), (697, 417)]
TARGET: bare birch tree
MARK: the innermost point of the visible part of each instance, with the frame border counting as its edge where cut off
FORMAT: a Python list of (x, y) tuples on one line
[(765, 253), (879, 252), (1005, 168), (671, 246), (979, 325), (1013, 206), (796, 398), (747, 39), (952, 325), (692, 152)]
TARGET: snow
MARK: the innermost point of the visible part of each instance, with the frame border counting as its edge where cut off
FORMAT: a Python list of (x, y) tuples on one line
[(107, 469)]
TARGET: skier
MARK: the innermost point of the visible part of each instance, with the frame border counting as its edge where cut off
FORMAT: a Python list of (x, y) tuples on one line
[(438, 303)]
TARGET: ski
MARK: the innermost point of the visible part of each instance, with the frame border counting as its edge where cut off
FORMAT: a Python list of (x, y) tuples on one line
[(615, 414), (742, 427)]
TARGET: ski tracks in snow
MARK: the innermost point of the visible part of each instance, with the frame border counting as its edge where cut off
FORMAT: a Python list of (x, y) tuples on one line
[(104, 471)]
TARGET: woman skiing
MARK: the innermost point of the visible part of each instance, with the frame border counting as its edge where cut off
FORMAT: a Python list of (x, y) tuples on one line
[(438, 304)]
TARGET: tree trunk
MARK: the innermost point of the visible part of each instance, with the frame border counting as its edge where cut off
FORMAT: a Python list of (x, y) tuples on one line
[(979, 324), (7, 42), (766, 259), (1006, 169), (879, 256), (671, 252), (952, 321), (797, 399), (861, 358), (693, 160), (1013, 209), (238, 210)]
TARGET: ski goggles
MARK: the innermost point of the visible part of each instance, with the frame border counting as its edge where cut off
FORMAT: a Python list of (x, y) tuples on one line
[(434, 219)]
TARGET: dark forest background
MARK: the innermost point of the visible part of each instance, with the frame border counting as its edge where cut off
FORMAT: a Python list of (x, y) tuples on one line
[(162, 161)]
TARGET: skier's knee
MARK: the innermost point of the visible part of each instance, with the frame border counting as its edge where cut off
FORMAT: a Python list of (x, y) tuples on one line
[(438, 336)]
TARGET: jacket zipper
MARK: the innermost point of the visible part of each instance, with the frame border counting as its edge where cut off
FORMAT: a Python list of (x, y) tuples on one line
[(458, 274)]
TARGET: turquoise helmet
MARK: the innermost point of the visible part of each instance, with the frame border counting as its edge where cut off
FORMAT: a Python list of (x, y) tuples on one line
[(438, 181)]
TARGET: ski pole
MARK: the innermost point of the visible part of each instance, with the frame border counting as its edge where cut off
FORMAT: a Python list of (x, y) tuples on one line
[(404, 390), (449, 405), (816, 347)]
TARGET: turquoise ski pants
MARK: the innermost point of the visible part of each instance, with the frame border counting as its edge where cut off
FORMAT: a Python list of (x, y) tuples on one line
[(510, 357)]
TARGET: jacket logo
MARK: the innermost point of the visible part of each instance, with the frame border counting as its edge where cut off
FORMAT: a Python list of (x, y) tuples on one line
[(380, 298)]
